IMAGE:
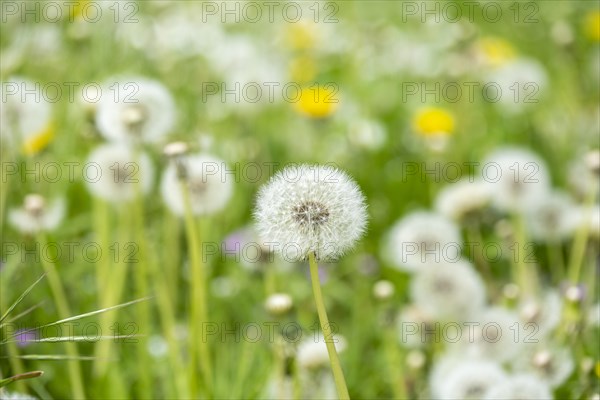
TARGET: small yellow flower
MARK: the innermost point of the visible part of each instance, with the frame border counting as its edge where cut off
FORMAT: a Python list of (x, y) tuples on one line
[(302, 69), (301, 36), (38, 142), (592, 25), (317, 101), (496, 51), (433, 121)]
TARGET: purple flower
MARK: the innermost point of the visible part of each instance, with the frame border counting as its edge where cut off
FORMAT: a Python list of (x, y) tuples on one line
[(24, 337)]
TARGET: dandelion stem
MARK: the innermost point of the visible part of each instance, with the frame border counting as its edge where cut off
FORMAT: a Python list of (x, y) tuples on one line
[(579, 243), (338, 374), (64, 311), (198, 313)]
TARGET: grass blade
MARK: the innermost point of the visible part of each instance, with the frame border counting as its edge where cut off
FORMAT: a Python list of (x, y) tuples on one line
[(21, 297)]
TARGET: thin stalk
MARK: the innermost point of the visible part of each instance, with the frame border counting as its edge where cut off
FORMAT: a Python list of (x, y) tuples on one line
[(526, 276), (395, 364), (62, 305), (198, 313), (581, 237), (338, 374)]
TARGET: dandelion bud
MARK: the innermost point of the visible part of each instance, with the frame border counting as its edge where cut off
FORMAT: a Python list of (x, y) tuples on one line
[(383, 290), (510, 291), (415, 359), (34, 204), (278, 303), (175, 149), (574, 293), (592, 161)]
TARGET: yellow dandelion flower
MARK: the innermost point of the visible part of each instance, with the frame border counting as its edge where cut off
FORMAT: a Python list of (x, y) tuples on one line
[(431, 121), (301, 36), (38, 142), (317, 101), (302, 69), (496, 51), (592, 25)]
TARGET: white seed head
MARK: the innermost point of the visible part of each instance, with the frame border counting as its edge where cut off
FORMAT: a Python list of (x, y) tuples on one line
[(115, 172), (554, 217), (517, 178), (34, 204), (519, 387), (141, 110), (279, 303), (25, 112), (420, 239), (544, 312), (308, 209), (312, 352), (383, 290), (459, 199), (207, 180), (449, 291), (549, 362), (175, 149), (37, 215), (467, 379)]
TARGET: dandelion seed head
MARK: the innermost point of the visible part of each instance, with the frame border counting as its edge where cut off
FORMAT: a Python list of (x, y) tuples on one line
[(458, 200), (466, 379), (204, 176), (517, 177), (311, 209), (312, 352), (520, 387), (117, 172), (450, 291), (420, 239), (278, 303), (37, 215), (142, 110)]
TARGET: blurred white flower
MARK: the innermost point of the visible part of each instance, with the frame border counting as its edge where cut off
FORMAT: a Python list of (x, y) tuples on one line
[(517, 177), (466, 379), (25, 113), (547, 361), (134, 110), (278, 303), (448, 292), (591, 217), (207, 178), (495, 335), (518, 83), (115, 172), (422, 238), (312, 352), (367, 134), (308, 209), (16, 396), (543, 313), (554, 217), (410, 324), (36, 216), (520, 387), (383, 290), (460, 199)]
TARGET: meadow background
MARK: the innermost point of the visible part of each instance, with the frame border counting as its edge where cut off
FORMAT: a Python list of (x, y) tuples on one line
[(396, 125)]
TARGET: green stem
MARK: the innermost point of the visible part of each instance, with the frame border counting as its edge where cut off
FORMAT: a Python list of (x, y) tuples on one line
[(581, 238), (198, 313), (526, 277), (395, 364), (62, 305), (338, 374)]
